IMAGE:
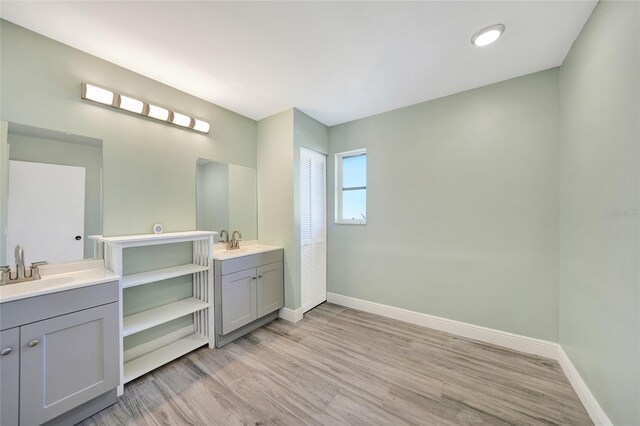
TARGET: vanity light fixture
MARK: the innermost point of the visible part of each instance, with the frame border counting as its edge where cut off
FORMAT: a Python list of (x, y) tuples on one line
[(158, 113), (201, 126), (131, 105), (487, 35), (181, 120), (107, 97), (98, 94)]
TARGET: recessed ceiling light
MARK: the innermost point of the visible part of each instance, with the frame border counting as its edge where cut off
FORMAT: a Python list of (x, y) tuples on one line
[(487, 35)]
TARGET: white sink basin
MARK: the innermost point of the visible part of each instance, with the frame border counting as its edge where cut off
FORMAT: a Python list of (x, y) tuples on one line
[(54, 282)]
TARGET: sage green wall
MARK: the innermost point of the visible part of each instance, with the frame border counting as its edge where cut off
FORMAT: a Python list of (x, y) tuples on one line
[(148, 167), (227, 199), (275, 194), (24, 148), (280, 138), (462, 208), (599, 223)]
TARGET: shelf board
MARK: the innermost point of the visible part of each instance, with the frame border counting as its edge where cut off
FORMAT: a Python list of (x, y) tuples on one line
[(161, 274), (146, 319), (152, 239), (151, 361)]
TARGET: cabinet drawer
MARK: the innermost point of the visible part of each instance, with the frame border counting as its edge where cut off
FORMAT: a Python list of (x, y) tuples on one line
[(37, 308), (246, 262)]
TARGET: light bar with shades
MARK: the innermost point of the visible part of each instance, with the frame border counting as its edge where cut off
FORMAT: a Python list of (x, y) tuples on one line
[(181, 120), (131, 105), (103, 96), (158, 113), (98, 94)]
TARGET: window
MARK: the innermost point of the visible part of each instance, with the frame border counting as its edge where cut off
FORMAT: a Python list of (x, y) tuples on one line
[(351, 187)]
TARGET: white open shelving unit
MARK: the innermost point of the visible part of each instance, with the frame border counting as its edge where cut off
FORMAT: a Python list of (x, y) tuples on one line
[(199, 305)]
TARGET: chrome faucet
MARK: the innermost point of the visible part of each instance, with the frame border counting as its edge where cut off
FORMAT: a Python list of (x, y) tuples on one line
[(21, 274), (235, 242), (226, 238), (19, 261)]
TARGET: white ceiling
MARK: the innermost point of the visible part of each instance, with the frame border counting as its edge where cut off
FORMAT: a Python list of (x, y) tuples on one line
[(336, 61)]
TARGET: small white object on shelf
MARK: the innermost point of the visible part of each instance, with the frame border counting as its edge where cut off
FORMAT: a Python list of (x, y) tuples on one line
[(158, 228)]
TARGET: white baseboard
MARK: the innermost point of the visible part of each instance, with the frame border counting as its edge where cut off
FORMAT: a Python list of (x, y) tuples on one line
[(505, 339), (597, 414), (148, 347), (291, 315)]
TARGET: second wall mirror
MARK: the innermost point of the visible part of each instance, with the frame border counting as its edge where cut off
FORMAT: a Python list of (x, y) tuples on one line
[(226, 198)]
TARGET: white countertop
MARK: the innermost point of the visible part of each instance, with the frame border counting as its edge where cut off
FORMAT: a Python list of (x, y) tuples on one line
[(246, 249), (61, 277)]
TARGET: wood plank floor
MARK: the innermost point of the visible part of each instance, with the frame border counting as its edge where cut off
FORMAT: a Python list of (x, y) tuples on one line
[(339, 366)]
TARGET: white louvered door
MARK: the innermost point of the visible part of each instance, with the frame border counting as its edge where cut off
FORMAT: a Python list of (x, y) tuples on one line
[(313, 228)]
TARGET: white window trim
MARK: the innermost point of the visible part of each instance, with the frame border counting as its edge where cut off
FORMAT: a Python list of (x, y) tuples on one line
[(338, 187)]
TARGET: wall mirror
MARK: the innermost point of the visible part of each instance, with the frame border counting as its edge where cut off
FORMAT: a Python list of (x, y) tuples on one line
[(226, 198), (50, 194)]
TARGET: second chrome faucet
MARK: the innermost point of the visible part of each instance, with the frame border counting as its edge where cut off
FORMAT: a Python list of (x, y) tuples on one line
[(235, 242), (232, 244)]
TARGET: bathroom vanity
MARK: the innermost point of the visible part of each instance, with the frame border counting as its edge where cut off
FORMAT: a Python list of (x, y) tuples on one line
[(59, 345), (249, 289)]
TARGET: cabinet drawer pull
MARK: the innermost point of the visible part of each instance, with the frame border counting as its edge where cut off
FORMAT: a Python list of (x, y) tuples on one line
[(6, 351), (253, 278), (259, 276), (33, 343)]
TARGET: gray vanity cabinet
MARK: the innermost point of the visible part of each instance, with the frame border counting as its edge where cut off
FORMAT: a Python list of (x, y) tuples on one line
[(270, 288), (249, 290), (9, 375), (66, 361), (238, 300), (60, 355)]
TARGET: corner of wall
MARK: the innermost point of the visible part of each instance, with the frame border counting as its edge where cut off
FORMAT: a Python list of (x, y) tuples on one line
[(275, 161), (599, 94)]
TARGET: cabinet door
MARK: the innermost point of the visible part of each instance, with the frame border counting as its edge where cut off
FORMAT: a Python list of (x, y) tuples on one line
[(66, 361), (270, 288), (9, 375), (239, 306)]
